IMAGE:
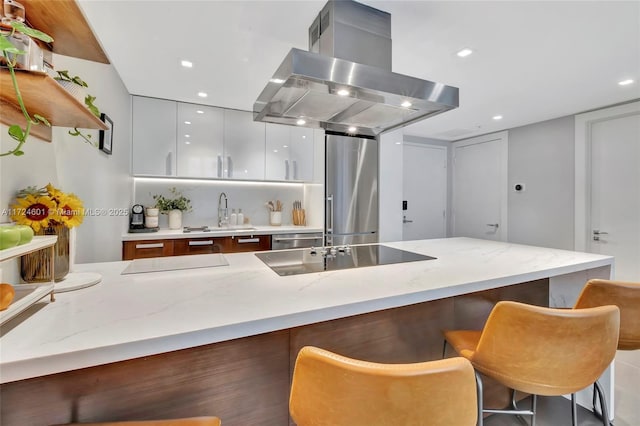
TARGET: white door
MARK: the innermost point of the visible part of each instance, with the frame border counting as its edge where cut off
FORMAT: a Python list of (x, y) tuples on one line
[(613, 181), (479, 194), (425, 191)]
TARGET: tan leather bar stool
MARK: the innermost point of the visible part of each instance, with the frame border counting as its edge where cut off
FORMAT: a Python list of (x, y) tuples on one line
[(333, 390), (541, 351), (626, 296), (192, 421)]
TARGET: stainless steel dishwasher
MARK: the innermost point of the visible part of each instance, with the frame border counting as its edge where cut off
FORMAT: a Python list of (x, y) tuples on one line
[(291, 241)]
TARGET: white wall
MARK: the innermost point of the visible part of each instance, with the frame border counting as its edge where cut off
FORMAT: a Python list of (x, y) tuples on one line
[(541, 156), (101, 181), (390, 186)]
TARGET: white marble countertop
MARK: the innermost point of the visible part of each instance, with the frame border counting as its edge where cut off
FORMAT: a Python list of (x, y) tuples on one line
[(164, 234), (129, 316)]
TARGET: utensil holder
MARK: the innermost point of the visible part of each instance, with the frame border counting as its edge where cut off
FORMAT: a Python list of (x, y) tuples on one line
[(275, 218), (299, 217)]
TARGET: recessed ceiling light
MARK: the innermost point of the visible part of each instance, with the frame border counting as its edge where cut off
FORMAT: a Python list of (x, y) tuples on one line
[(301, 121), (202, 94), (275, 150), (200, 111), (186, 64), (398, 143), (187, 122), (343, 92), (464, 52), (497, 117), (277, 80), (304, 136), (406, 104), (187, 136), (352, 129), (285, 146), (625, 82), (187, 143)]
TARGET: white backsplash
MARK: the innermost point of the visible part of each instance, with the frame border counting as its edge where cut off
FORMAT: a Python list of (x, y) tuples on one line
[(248, 196)]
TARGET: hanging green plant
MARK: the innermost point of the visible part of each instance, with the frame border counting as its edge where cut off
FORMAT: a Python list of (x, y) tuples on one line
[(10, 53)]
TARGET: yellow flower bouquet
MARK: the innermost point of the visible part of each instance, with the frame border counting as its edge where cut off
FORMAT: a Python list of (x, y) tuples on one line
[(48, 211), (45, 207)]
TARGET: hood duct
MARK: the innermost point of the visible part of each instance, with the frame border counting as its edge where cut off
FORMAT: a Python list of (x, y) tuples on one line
[(344, 82)]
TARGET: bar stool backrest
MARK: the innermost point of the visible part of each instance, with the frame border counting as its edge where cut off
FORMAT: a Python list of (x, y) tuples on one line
[(329, 389), (547, 351), (626, 296)]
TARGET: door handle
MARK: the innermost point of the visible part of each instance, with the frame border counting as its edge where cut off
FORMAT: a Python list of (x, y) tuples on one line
[(201, 243), (150, 246), (330, 215), (493, 225), (248, 240), (405, 220)]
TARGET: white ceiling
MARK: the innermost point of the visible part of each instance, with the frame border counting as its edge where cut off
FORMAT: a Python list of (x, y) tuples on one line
[(532, 61)]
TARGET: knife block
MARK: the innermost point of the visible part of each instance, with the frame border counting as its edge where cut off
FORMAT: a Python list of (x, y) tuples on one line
[(299, 217)]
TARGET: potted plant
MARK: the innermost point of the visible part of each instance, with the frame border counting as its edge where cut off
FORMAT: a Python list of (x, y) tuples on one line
[(76, 86), (10, 54), (173, 206)]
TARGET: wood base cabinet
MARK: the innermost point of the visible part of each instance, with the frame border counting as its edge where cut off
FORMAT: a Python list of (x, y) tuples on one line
[(184, 246), (146, 248)]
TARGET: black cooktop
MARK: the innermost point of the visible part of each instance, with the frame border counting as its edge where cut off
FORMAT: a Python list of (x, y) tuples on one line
[(308, 260)]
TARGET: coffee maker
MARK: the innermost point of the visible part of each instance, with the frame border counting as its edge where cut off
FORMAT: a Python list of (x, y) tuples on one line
[(136, 218)]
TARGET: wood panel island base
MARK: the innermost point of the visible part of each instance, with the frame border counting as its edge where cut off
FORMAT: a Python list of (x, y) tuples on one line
[(239, 370)]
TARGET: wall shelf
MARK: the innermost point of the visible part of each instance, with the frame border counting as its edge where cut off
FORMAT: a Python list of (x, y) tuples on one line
[(64, 21), (43, 95), (37, 243), (28, 294)]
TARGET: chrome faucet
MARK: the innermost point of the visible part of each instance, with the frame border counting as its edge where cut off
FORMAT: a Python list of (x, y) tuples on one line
[(223, 213)]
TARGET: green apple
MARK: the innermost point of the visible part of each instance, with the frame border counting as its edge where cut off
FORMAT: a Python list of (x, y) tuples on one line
[(9, 237), (26, 233)]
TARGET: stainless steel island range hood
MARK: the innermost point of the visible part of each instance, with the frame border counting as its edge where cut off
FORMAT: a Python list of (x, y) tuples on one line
[(344, 83)]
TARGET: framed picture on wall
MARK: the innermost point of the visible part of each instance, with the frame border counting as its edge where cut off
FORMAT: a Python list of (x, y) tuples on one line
[(106, 136)]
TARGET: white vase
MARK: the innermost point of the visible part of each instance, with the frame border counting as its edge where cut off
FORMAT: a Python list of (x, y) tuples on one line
[(175, 219), (275, 218)]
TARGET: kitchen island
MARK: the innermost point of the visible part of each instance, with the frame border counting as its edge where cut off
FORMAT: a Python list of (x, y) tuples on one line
[(223, 340)]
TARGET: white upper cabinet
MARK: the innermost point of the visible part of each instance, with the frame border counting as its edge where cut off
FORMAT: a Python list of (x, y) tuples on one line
[(196, 141), (154, 137), (200, 141), (243, 146), (289, 153)]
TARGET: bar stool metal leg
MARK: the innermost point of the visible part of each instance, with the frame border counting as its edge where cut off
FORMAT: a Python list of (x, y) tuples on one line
[(574, 410), (603, 404), (480, 396)]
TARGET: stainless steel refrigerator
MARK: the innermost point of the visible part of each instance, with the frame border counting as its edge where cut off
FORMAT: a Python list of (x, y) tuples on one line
[(351, 190)]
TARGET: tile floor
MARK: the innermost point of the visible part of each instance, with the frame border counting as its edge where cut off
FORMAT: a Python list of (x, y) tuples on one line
[(556, 411)]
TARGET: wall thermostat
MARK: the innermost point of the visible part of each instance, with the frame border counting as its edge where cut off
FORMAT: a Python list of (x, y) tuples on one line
[(519, 187)]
